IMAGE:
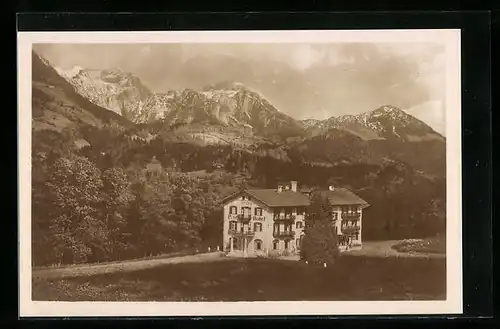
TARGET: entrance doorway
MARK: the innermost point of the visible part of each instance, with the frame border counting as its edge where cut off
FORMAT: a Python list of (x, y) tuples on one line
[(236, 244)]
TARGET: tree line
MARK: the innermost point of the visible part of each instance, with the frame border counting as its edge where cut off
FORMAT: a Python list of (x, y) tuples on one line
[(97, 203), (85, 211)]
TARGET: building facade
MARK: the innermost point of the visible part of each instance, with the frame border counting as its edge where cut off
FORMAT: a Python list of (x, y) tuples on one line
[(264, 222), (347, 216)]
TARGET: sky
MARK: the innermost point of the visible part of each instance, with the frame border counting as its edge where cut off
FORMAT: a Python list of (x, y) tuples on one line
[(303, 80)]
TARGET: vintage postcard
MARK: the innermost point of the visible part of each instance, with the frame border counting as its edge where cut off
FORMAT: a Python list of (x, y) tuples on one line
[(240, 173)]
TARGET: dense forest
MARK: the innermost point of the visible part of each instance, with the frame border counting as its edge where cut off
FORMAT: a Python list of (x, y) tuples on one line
[(97, 202)]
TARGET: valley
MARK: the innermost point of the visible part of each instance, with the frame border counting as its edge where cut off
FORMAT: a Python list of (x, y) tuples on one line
[(229, 132)]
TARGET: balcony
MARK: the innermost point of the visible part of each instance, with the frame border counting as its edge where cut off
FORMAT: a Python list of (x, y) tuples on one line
[(284, 218), (259, 218), (241, 232), (232, 216), (351, 215), (244, 218), (284, 234), (350, 229)]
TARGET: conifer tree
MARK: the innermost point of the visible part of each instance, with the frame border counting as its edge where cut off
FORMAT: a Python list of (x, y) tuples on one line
[(320, 243)]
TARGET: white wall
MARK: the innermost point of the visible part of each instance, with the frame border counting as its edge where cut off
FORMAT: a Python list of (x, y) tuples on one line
[(266, 235), (266, 224)]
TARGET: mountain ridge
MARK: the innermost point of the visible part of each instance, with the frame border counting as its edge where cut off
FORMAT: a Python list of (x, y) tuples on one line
[(56, 104), (230, 113), (227, 103), (145, 106), (384, 122), (119, 91)]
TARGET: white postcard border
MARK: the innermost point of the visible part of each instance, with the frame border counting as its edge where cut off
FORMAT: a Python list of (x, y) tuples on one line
[(453, 302)]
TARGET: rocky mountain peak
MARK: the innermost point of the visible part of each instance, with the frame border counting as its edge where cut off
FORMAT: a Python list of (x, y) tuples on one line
[(71, 73), (226, 85), (384, 122), (392, 112), (119, 91), (310, 123), (226, 103)]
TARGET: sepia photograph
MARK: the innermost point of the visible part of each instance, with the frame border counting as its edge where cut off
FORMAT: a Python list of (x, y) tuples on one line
[(240, 173)]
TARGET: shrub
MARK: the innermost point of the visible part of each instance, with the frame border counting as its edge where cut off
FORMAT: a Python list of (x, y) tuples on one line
[(274, 254)]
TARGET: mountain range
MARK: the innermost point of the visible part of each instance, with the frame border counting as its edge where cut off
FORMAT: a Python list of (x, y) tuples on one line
[(56, 104), (229, 111)]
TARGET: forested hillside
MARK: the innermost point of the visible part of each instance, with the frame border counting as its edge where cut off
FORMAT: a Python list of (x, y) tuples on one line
[(94, 200)]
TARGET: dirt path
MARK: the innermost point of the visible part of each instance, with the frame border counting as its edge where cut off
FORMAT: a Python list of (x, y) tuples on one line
[(384, 249), (369, 249), (132, 265)]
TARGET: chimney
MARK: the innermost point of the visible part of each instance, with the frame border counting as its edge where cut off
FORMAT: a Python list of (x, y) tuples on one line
[(294, 185), (331, 188), (280, 188)]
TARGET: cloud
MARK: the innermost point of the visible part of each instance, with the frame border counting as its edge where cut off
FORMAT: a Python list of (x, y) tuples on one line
[(304, 56), (432, 113), (146, 50)]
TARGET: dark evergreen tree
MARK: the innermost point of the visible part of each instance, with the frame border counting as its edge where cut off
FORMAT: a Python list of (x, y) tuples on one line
[(320, 242)]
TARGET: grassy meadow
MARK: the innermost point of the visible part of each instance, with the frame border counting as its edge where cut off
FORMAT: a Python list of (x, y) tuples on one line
[(234, 279)]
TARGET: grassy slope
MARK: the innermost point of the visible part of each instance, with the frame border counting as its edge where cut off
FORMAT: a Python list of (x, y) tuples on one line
[(353, 278)]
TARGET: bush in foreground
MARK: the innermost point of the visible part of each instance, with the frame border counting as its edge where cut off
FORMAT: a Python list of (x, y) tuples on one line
[(434, 245)]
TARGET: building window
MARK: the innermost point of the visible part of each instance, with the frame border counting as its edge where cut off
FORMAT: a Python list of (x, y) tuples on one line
[(350, 209), (258, 245), (287, 244), (336, 230), (298, 225), (235, 243), (257, 227), (276, 228), (232, 225), (233, 210), (246, 211), (258, 211), (275, 244), (288, 227), (334, 216), (357, 235), (297, 243), (345, 209)]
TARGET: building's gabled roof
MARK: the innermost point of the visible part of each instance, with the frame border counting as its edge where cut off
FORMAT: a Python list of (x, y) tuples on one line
[(288, 198), (285, 198), (273, 198), (342, 196)]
